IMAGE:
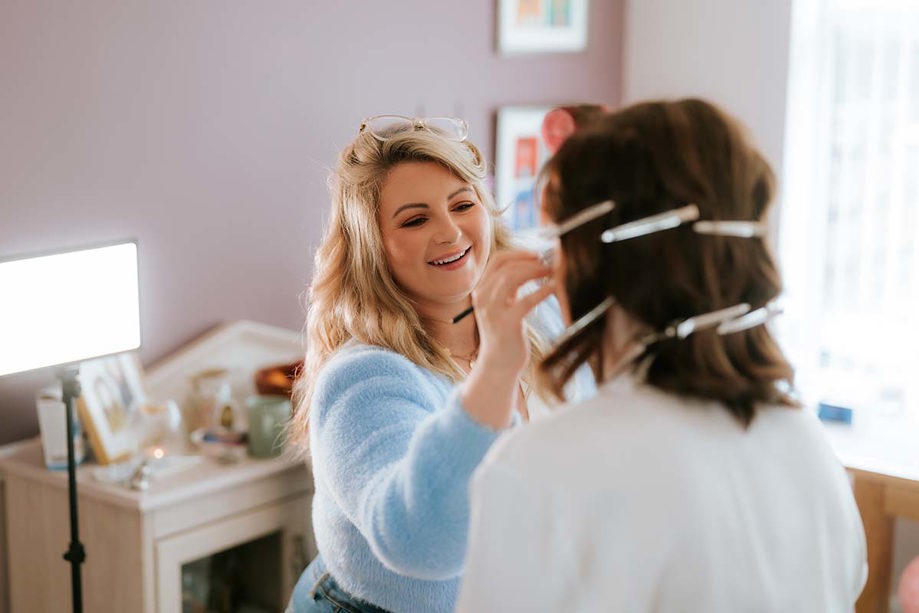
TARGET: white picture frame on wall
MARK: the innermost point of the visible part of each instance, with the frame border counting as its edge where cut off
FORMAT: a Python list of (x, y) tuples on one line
[(542, 26), (519, 156)]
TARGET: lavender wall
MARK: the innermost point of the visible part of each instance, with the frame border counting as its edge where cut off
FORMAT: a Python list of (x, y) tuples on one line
[(732, 53), (205, 129)]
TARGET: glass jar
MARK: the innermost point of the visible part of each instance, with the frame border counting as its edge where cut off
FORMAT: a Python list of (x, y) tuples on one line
[(212, 405)]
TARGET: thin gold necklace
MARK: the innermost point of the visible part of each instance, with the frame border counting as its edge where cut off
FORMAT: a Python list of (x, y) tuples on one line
[(437, 319), (469, 358)]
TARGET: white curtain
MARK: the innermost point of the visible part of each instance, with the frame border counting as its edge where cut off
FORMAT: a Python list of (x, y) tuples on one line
[(849, 236)]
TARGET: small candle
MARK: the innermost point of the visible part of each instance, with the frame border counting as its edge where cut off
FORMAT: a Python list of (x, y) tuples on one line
[(156, 453)]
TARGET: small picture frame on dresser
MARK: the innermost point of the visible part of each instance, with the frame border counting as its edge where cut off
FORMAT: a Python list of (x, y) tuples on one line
[(110, 406)]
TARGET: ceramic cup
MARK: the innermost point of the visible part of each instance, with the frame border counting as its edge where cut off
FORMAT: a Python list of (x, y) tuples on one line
[(268, 414)]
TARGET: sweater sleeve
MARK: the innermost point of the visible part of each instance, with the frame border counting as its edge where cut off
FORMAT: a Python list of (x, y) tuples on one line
[(396, 455)]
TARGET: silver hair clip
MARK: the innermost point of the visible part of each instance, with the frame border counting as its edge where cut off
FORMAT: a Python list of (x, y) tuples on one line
[(542, 240), (586, 319), (578, 220), (752, 319), (684, 328), (651, 224), (741, 229), (677, 217), (707, 320)]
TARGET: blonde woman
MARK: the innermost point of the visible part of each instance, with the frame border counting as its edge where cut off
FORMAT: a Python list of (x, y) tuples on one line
[(399, 401), (692, 480)]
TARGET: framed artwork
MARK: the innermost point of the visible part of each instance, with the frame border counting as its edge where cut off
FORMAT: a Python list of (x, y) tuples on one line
[(519, 156), (542, 26), (110, 406)]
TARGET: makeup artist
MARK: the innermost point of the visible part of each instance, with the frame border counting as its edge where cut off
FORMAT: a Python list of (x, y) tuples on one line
[(400, 403)]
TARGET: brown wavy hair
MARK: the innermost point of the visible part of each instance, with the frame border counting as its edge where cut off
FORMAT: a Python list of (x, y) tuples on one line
[(650, 158)]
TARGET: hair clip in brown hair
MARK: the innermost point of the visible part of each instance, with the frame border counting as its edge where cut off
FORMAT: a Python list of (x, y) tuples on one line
[(542, 240), (676, 218), (752, 319), (651, 224), (683, 328), (740, 229), (706, 320), (728, 321), (586, 319)]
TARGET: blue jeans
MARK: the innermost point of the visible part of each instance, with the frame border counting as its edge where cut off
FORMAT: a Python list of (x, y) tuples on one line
[(318, 592)]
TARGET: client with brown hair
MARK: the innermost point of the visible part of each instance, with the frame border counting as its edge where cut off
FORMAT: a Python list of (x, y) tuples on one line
[(693, 481)]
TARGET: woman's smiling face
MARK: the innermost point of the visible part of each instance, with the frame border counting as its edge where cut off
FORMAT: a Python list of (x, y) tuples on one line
[(436, 233)]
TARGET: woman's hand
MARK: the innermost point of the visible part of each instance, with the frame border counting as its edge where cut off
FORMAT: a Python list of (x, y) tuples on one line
[(490, 390), (500, 311)]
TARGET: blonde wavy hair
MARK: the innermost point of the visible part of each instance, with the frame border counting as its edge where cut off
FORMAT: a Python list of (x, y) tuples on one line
[(353, 294)]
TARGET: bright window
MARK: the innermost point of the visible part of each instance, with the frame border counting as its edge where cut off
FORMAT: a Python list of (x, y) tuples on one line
[(849, 222)]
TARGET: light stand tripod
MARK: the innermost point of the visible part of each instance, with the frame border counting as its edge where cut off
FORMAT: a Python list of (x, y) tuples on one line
[(75, 554)]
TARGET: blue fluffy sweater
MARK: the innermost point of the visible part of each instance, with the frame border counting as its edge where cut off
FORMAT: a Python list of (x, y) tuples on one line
[(393, 450)]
